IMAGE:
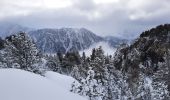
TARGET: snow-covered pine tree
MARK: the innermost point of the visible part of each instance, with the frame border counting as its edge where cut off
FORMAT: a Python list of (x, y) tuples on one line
[(76, 73), (21, 49), (110, 83), (84, 57), (89, 87), (53, 63), (68, 62), (3, 63)]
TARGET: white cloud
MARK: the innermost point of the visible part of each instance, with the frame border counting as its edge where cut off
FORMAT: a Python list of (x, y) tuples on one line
[(25, 7), (55, 4), (147, 9), (92, 9), (101, 16), (105, 1)]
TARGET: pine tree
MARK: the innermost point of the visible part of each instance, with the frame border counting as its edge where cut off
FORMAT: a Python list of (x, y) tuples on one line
[(93, 54), (53, 63), (75, 72), (2, 42), (89, 87), (84, 57), (3, 63), (20, 49), (106, 83)]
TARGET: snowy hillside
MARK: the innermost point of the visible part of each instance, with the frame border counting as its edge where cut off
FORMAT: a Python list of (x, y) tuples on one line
[(63, 80), (68, 39), (64, 39), (17, 84)]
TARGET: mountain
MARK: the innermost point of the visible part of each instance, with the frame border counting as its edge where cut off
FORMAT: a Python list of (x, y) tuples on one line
[(146, 63), (64, 39), (68, 39)]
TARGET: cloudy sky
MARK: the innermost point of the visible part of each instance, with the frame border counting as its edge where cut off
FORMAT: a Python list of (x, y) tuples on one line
[(104, 17)]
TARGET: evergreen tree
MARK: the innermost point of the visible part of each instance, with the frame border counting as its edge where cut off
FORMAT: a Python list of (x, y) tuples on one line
[(84, 57), (89, 87), (53, 63), (2, 42), (93, 54), (20, 49)]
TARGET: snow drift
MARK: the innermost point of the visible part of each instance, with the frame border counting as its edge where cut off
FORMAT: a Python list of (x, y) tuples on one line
[(17, 84)]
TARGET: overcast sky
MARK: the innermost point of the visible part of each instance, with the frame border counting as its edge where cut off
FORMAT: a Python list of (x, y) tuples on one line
[(104, 17)]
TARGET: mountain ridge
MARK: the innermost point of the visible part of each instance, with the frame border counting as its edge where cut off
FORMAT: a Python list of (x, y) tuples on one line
[(52, 40)]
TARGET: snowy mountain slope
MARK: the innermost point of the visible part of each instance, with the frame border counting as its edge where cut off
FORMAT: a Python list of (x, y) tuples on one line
[(17, 84), (64, 39), (67, 39), (64, 81)]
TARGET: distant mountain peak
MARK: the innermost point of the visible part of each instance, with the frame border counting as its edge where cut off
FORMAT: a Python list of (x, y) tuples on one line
[(64, 39)]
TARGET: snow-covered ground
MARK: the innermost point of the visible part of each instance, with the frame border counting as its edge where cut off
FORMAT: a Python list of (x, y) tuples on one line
[(108, 50), (64, 81), (17, 84)]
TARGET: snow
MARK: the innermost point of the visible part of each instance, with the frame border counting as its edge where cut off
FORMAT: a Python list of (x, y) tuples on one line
[(64, 81), (17, 84), (141, 65), (108, 50), (148, 83)]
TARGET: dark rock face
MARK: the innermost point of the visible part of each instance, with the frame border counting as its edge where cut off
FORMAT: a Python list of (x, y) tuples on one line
[(148, 56)]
